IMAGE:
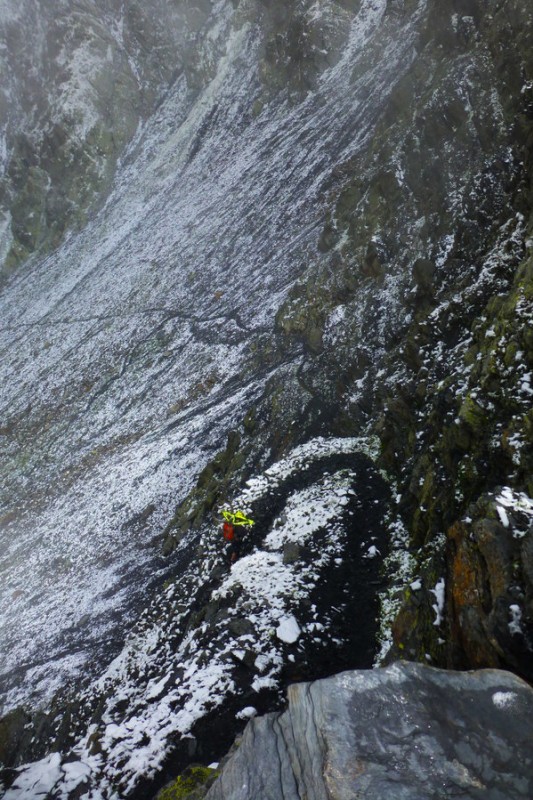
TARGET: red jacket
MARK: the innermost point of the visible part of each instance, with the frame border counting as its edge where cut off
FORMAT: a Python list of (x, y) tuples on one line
[(228, 532)]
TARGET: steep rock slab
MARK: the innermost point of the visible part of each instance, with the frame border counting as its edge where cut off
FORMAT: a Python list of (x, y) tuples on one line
[(407, 731)]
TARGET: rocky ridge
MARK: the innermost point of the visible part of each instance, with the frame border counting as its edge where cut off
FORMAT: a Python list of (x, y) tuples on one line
[(219, 643), (450, 399)]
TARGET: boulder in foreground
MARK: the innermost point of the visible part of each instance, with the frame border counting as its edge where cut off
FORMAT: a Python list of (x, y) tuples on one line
[(406, 732)]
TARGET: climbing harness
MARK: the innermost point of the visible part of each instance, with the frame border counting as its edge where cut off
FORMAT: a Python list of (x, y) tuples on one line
[(237, 518)]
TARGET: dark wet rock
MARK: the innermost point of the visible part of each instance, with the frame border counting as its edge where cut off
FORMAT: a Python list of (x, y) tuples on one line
[(241, 626), (12, 735), (303, 316), (140, 519), (402, 732), (424, 274), (291, 552), (455, 451), (247, 658), (372, 267), (328, 238)]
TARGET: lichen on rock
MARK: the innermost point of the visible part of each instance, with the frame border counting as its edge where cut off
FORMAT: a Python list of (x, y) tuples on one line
[(192, 784)]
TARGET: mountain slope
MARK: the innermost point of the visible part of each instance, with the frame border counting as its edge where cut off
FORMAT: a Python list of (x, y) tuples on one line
[(320, 238), (129, 353)]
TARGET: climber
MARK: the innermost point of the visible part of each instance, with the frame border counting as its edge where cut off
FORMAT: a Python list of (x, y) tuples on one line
[(233, 545), (231, 521)]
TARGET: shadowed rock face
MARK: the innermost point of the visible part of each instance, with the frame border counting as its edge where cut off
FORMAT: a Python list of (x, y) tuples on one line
[(399, 733)]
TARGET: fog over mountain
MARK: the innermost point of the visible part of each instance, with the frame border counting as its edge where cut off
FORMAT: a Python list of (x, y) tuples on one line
[(265, 256)]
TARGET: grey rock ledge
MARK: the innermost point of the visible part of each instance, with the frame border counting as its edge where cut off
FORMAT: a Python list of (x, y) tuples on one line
[(407, 732)]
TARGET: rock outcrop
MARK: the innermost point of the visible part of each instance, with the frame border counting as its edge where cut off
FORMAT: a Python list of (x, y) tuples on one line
[(399, 733)]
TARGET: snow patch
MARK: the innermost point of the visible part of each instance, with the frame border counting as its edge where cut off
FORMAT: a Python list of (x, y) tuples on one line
[(37, 779), (505, 699), (514, 502), (438, 607), (504, 519), (372, 552), (288, 630), (155, 688), (515, 625), (246, 713)]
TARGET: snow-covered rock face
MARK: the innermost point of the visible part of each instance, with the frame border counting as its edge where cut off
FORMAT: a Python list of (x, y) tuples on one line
[(128, 354)]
